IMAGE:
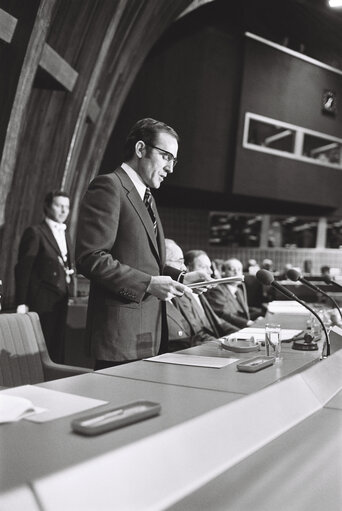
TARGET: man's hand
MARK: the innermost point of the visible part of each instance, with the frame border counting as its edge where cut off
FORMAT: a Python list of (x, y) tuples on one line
[(164, 288)]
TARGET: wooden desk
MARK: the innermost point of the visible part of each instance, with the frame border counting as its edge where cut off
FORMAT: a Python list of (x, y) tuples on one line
[(226, 379)]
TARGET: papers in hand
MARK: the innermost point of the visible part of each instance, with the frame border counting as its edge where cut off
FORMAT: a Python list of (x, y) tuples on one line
[(212, 282), (13, 408)]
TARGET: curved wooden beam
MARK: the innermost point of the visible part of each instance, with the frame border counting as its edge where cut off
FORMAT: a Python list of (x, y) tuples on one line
[(143, 26), (15, 124)]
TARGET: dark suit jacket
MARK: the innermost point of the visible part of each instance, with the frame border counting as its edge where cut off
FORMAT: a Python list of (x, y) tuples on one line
[(180, 336), (203, 328), (117, 250), (40, 274), (228, 307)]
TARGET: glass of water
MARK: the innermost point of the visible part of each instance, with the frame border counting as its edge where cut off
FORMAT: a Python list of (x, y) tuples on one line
[(273, 340)]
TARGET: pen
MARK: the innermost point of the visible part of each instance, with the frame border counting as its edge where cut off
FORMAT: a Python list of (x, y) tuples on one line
[(104, 417), (108, 417)]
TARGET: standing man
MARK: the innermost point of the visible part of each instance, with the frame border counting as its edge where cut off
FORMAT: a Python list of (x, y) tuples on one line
[(120, 247), (43, 272)]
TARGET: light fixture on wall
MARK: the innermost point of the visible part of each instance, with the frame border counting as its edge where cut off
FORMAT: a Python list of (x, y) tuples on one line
[(335, 3), (329, 102)]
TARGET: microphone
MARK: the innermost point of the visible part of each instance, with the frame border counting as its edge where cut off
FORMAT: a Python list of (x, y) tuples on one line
[(328, 280), (294, 275), (266, 278)]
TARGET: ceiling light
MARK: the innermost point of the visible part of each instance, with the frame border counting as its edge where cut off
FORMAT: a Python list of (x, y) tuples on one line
[(335, 3)]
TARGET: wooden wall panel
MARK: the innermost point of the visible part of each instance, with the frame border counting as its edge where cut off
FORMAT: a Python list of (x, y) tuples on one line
[(46, 134)]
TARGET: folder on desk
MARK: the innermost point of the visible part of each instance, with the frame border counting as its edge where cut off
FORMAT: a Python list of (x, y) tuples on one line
[(56, 404), (192, 360)]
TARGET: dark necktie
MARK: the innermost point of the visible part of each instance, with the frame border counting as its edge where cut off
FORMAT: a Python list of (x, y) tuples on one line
[(148, 204)]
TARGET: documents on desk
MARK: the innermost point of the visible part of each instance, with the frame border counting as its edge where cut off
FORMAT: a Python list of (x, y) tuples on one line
[(192, 360), (55, 404), (288, 313), (13, 408)]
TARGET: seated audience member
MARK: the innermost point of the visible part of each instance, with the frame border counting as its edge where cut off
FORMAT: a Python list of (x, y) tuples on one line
[(282, 275), (229, 301), (267, 264), (191, 320), (325, 271), (257, 295), (252, 267), (216, 266)]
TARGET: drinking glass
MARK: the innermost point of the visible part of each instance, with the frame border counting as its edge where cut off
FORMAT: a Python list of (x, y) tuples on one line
[(272, 340)]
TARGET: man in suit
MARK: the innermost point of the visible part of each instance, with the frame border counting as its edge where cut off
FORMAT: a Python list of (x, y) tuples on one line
[(43, 272), (201, 322), (120, 247), (229, 301)]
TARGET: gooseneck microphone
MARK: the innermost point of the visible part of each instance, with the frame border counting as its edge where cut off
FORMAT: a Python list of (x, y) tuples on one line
[(328, 280), (266, 278), (294, 275)]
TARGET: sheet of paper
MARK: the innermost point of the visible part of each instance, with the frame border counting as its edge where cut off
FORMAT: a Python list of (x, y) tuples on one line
[(13, 408), (286, 307), (56, 404), (192, 360)]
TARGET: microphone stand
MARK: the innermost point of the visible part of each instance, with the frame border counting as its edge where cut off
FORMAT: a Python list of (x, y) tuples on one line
[(291, 295), (317, 289), (328, 280)]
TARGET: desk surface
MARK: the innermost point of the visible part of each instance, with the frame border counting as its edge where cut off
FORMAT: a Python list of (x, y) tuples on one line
[(226, 379), (299, 471), (302, 467), (29, 450)]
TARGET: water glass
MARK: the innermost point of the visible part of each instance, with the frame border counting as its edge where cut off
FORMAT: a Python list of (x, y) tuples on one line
[(272, 340)]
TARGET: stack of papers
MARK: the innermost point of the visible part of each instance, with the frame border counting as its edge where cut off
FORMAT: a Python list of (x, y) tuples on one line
[(192, 360), (14, 408), (286, 307), (51, 404)]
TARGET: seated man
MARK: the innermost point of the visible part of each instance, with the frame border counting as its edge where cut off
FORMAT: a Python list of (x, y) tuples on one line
[(229, 301), (192, 312)]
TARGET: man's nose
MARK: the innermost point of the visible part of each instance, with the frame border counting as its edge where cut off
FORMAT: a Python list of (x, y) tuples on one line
[(169, 167)]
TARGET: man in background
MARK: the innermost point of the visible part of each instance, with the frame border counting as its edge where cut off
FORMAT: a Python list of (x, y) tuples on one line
[(229, 301), (199, 320), (43, 272)]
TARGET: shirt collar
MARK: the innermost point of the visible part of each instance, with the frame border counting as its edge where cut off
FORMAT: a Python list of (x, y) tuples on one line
[(137, 181), (57, 226)]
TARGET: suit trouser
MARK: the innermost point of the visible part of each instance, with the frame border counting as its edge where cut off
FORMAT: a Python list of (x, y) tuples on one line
[(53, 324)]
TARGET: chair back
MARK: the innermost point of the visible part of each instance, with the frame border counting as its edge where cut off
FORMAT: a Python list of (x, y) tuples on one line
[(22, 349)]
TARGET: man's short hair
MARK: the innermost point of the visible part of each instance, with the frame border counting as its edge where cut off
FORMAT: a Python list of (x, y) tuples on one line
[(50, 196), (191, 255), (232, 261), (146, 130)]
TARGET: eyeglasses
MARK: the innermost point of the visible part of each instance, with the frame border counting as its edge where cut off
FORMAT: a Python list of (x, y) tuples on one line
[(165, 154)]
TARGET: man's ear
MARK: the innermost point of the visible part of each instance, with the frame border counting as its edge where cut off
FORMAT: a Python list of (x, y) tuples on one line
[(139, 147)]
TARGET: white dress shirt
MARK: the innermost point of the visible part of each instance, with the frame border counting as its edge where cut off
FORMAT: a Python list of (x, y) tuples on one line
[(137, 181), (58, 231)]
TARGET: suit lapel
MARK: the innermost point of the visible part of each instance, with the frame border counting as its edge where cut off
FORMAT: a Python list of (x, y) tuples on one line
[(240, 299), (47, 233), (141, 210)]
